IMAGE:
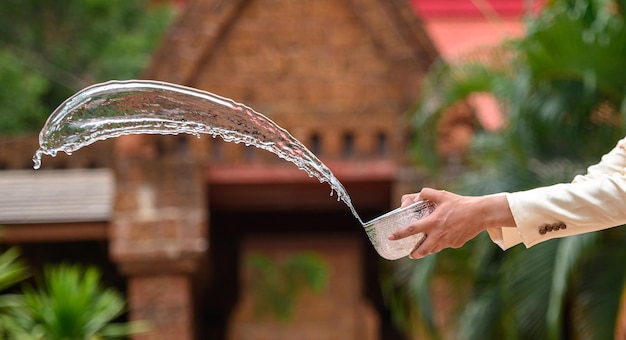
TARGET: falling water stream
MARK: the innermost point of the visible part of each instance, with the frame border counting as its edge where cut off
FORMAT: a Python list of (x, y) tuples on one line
[(117, 108)]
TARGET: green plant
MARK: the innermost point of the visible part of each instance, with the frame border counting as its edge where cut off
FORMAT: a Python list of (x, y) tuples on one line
[(278, 283), (51, 49), (69, 303), (12, 271), (562, 90)]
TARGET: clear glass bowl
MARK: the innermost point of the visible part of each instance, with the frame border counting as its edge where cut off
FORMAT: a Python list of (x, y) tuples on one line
[(379, 229)]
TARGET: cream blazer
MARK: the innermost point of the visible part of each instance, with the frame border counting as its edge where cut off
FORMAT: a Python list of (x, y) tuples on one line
[(592, 202)]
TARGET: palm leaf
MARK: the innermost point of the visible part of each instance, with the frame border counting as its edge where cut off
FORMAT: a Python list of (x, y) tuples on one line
[(482, 316), (572, 52), (594, 301), (12, 270), (567, 259), (526, 280), (408, 294)]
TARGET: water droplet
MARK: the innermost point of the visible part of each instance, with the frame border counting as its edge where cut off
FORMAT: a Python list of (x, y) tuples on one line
[(37, 159)]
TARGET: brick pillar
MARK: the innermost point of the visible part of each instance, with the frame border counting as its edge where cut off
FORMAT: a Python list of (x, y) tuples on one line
[(159, 236), (165, 301)]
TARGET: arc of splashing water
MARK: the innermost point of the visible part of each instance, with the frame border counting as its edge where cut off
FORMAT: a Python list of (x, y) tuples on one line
[(117, 108)]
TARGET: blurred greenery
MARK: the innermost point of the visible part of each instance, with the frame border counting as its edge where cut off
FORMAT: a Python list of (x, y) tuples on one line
[(51, 49), (68, 303), (562, 89), (279, 282), (12, 271)]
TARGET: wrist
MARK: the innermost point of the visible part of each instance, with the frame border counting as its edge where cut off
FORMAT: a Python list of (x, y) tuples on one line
[(495, 211)]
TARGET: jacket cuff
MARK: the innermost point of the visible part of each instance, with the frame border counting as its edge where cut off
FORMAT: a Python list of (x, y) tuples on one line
[(505, 238)]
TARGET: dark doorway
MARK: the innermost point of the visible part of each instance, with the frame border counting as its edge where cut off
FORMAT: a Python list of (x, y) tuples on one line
[(227, 230)]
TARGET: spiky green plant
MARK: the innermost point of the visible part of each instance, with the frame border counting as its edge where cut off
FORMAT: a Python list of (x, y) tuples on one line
[(12, 271), (70, 303)]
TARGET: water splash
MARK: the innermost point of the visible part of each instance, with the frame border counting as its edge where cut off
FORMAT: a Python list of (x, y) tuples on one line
[(117, 108)]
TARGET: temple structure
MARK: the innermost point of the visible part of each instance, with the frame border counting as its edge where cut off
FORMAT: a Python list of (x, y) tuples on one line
[(174, 221)]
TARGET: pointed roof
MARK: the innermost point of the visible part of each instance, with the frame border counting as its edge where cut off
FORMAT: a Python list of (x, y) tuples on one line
[(338, 74), (391, 24)]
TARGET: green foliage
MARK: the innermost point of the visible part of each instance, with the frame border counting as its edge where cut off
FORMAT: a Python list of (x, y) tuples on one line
[(20, 93), (70, 303), (413, 302), (563, 92), (51, 49), (594, 290), (12, 271), (277, 284), (548, 83)]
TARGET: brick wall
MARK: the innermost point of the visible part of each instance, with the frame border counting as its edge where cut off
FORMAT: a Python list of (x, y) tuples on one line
[(312, 68), (336, 74), (337, 312), (17, 153)]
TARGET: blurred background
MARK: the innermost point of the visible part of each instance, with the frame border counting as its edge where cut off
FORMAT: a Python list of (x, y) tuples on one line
[(187, 238)]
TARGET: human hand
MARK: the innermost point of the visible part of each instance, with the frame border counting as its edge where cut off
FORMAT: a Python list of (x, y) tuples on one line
[(455, 220)]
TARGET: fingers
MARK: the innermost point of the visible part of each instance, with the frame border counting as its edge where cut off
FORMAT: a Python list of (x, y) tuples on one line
[(409, 230), (417, 254), (408, 199), (427, 194), (420, 250), (418, 226), (420, 240), (429, 243), (423, 249)]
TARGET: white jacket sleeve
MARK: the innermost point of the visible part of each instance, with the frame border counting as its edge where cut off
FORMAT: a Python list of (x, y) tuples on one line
[(592, 202)]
